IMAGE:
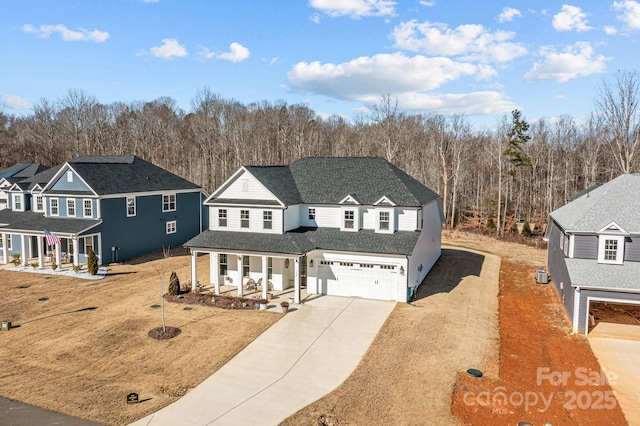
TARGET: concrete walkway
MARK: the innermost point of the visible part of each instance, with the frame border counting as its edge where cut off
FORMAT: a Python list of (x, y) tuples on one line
[(617, 347), (301, 358)]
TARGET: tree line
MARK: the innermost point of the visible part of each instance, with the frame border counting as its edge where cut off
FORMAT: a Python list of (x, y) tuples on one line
[(488, 179)]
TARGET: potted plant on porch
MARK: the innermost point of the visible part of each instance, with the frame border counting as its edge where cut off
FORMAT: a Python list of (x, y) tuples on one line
[(285, 307), (263, 304)]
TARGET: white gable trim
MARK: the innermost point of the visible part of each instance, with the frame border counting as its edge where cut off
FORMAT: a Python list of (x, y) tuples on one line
[(386, 201), (240, 172), (36, 189), (4, 183), (63, 170), (349, 199), (616, 229)]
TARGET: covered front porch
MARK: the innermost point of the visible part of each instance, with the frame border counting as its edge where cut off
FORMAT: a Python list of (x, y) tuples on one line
[(243, 274)]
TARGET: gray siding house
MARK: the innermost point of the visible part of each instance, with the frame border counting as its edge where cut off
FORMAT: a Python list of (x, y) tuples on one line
[(594, 248), (119, 205)]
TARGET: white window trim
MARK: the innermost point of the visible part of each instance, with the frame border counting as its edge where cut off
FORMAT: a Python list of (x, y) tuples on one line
[(391, 221), (620, 253), (69, 176), (311, 213), (18, 197), (248, 219), (86, 246), (356, 219), (222, 224), (41, 203), (266, 221), (168, 203), (84, 208), (171, 227), (51, 200), (135, 207), (69, 202)]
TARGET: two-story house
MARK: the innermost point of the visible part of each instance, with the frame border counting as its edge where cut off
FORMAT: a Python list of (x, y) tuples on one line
[(14, 174), (345, 226), (119, 205), (594, 248)]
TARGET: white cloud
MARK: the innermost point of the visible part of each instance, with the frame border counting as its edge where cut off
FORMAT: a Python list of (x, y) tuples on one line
[(630, 13), (354, 8), (609, 30), (508, 13), (575, 61), (571, 18), (474, 103), (237, 53), (169, 49), (471, 42), (364, 77), (15, 102), (427, 3), (44, 31)]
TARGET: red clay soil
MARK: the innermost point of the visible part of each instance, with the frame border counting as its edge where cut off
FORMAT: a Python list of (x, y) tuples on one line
[(546, 374)]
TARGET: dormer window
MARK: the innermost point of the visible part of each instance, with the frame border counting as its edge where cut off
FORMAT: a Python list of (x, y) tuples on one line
[(384, 221), (39, 203), (611, 249), (17, 202), (349, 219)]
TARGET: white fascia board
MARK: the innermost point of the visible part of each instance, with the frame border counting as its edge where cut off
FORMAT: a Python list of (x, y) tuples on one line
[(226, 183), (386, 199), (63, 170), (348, 198), (619, 231)]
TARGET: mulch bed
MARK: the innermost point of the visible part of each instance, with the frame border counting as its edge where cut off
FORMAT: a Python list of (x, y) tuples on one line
[(208, 298), (168, 333)]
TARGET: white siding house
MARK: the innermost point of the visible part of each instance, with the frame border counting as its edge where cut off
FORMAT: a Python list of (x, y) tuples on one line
[(344, 226)]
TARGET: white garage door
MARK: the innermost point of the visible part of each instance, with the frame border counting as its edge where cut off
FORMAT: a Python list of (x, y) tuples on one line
[(366, 280)]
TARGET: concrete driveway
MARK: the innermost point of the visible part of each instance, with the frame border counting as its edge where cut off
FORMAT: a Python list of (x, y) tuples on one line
[(617, 347), (301, 358)]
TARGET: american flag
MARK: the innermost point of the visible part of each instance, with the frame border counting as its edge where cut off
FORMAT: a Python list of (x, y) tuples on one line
[(52, 239)]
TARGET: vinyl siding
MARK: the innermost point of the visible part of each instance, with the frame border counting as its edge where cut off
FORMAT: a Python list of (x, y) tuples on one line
[(428, 248), (254, 189), (255, 220), (585, 247), (558, 270), (407, 219), (632, 249), (62, 185)]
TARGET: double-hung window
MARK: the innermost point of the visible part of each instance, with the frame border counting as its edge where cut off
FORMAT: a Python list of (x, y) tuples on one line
[(224, 267), (312, 213), (267, 219), (244, 218), (53, 207), (17, 202), (131, 206), (71, 207), (245, 266), (349, 219), (384, 221), (88, 208), (169, 202), (222, 218), (39, 203), (171, 227), (611, 249)]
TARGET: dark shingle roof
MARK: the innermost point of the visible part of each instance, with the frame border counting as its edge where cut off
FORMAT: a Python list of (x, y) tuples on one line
[(118, 174), (30, 221), (328, 180), (303, 240)]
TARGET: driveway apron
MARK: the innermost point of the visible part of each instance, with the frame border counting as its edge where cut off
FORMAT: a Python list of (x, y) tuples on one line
[(298, 360)]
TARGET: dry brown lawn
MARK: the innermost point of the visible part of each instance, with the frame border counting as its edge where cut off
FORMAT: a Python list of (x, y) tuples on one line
[(85, 348)]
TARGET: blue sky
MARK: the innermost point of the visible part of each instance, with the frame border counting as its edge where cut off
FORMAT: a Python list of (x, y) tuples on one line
[(477, 58)]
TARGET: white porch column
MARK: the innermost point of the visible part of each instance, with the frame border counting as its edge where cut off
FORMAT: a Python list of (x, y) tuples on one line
[(240, 286), (76, 252), (99, 252), (23, 241), (296, 278), (40, 253), (58, 255), (214, 271), (5, 248), (265, 279), (194, 269)]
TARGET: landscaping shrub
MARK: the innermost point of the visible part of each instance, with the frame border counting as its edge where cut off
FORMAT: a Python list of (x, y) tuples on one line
[(526, 229), (92, 262)]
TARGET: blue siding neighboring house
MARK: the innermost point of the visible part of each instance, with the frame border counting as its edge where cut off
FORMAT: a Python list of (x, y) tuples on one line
[(594, 248), (119, 205)]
